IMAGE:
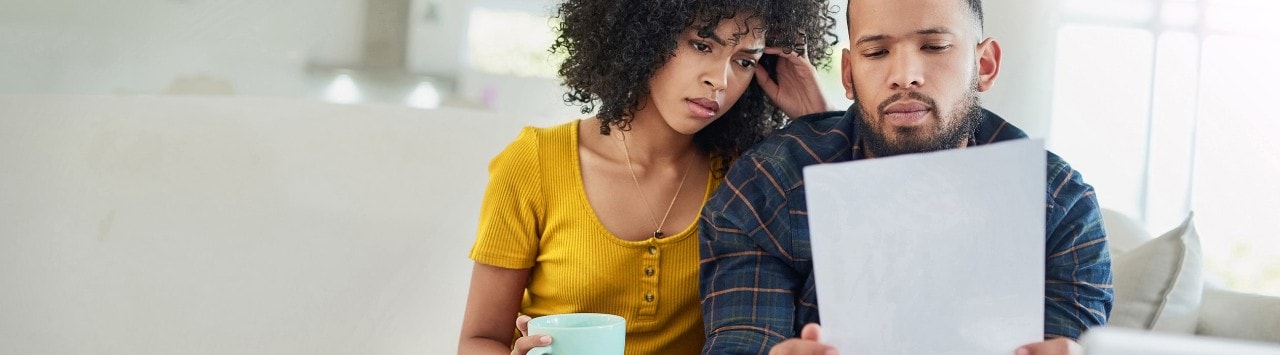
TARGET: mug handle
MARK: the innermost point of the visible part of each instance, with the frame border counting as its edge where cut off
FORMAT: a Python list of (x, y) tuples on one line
[(541, 350)]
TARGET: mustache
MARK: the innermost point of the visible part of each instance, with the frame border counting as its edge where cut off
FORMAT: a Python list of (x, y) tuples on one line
[(910, 95)]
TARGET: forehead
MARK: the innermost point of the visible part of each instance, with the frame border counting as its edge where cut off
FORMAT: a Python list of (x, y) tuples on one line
[(741, 28), (893, 17)]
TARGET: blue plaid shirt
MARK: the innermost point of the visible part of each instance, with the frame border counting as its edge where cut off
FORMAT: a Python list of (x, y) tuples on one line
[(757, 268)]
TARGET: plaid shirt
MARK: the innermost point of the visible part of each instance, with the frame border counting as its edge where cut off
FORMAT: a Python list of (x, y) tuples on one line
[(757, 269)]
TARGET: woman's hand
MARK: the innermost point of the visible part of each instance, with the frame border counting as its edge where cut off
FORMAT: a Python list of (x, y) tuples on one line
[(527, 342), (796, 90)]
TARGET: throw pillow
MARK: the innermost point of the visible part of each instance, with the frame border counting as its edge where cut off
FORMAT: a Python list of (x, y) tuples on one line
[(1123, 233), (1158, 285)]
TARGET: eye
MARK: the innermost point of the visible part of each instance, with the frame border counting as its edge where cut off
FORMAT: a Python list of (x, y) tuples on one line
[(936, 47), (874, 54), (746, 63), (701, 47)]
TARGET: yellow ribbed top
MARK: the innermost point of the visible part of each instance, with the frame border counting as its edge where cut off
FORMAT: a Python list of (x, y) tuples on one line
[(536, 215)]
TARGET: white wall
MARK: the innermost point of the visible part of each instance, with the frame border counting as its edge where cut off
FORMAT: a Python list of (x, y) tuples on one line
[(1027, 32), (437, 43), (144, 46), (535, 101)]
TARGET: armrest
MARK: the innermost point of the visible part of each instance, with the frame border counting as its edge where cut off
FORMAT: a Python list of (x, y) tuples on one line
[(1238, 315)]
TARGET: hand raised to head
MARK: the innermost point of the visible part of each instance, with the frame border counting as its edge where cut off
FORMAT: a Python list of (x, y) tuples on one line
[(796, 90)]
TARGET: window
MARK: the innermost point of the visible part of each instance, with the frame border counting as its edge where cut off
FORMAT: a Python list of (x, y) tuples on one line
[(511, 42), (1083, 108), (1173, 99)]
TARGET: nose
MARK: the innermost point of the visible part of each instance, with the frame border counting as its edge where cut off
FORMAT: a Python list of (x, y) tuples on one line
[(716, 77), (907, 72)]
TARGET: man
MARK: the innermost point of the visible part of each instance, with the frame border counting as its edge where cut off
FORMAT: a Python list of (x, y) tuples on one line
[(914, 69)]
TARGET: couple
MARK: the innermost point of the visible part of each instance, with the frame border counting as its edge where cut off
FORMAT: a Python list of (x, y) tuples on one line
[(678, 206)]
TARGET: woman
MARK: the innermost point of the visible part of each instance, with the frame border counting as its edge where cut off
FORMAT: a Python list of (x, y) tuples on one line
[(599, 215)]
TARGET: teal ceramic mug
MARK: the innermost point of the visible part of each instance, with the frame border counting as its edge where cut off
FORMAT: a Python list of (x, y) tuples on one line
[(580, 334)]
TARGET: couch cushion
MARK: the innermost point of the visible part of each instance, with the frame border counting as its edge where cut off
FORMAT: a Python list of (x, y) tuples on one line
[(1239, 315), (1123, 233), (1119, 341), (194, 225), (1158, 285)]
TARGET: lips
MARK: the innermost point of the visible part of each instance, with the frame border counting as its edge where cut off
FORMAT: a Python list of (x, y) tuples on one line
[(906, 113), (905, 107), (704, 107)]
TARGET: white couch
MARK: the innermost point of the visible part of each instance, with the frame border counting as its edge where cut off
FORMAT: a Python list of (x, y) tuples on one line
[(1160, 286), (164, 225)]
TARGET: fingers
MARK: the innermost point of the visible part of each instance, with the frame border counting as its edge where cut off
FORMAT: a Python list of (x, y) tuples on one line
[(798, 51), (810, 343), (796, 59), (1056, 346), (524, 344), (522, 323), (811, 331), (778, 51), (802, 347), (526, 341), (766, 83), (783, 52), (1029, 349)]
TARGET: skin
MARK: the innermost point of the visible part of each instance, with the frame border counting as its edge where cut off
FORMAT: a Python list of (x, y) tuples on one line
[(910, 66), (661, 148), (660, 141), (914, 78)]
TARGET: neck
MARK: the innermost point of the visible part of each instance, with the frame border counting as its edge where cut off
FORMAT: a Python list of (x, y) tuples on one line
[(652, 141)]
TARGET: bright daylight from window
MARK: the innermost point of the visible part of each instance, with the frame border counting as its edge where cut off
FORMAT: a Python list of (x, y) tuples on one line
[(497, 49), (1172, 97)]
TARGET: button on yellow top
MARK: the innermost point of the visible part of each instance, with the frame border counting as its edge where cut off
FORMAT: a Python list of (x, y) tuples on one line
[(653, 250), (648, 271)]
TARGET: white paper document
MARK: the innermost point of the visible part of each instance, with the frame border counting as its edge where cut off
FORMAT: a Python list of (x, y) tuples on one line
[(934, 253)]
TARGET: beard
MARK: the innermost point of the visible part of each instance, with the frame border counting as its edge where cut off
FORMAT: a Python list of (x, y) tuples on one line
[(953, 126)]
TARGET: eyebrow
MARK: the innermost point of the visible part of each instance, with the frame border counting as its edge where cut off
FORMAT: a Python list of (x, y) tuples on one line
[(927, 31), (715, 37), (872, 38), (935, 31)]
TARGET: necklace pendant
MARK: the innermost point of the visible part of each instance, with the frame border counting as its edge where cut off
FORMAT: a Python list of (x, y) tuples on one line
[(657, 234)]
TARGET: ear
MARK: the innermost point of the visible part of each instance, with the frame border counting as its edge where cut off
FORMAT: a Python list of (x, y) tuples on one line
[(846, 73), (988, 63)]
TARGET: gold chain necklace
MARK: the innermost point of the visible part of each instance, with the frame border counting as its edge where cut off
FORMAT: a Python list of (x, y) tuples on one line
[(657, 232)]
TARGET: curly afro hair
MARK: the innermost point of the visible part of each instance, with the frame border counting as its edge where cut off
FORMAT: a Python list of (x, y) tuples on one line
[(613, 48)]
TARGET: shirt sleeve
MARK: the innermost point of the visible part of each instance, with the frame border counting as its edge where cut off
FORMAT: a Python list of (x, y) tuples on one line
[(1078, 293), (749, 285), (509, 214)]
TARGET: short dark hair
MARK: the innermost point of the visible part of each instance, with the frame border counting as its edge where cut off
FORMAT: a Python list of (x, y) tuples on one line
[(975, 7), (614, 47)]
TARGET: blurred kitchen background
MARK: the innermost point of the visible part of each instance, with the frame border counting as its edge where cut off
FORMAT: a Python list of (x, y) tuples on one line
[(1165, 105)]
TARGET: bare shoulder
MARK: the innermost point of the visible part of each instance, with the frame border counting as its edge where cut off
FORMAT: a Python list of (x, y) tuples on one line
[(592, 146)]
